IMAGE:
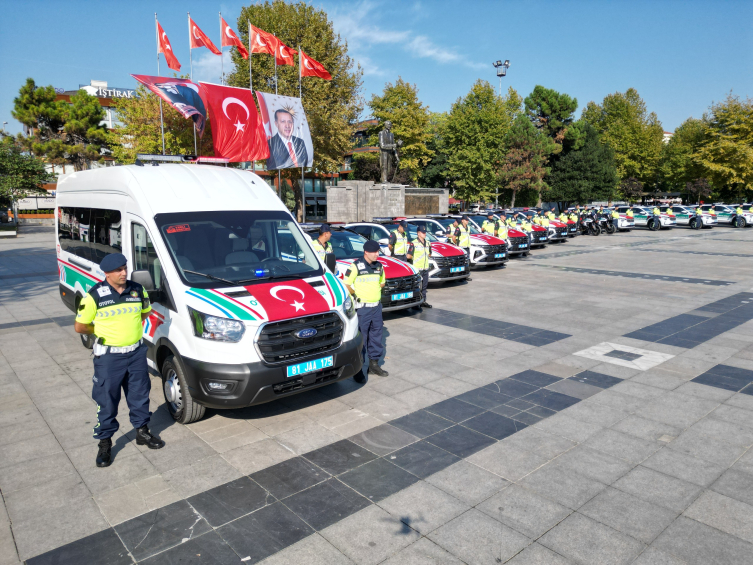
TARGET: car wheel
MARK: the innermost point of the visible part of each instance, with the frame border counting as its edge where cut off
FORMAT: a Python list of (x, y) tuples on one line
[(181, 405), (740, 222), (88, 340), (654, 225), (696, 224)]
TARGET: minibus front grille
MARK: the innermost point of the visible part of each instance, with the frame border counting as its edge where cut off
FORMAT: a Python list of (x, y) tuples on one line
[(277, 342)]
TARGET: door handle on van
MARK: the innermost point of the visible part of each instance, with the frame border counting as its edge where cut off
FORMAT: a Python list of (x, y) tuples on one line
[(81, 265)]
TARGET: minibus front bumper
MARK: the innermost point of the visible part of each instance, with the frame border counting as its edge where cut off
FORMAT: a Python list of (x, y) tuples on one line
[(257, 383)]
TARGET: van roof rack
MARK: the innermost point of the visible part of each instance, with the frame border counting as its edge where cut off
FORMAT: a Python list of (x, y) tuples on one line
[(155, 160)]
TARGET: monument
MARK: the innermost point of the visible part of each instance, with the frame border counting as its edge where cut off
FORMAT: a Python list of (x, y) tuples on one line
[(388, 152)]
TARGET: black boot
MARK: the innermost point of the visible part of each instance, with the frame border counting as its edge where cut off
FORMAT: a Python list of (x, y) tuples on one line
[(104, 458), (145, 437), (376, 369), (426, 305)]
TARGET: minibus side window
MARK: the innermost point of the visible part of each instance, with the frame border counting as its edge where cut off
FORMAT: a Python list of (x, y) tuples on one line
[(144, 255), (89, 233), (104, 234)]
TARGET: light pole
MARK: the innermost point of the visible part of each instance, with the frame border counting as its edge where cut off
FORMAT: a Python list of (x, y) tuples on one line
[(501, 71), (4, 124)]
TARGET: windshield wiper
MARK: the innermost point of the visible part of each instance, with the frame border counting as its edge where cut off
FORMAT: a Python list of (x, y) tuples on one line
[(211, 277)]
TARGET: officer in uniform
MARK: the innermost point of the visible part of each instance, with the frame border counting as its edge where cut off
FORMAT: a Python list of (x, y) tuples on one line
[(321, 244), (419, 251), (365, 280), (462, 238), (399, 241), (113, 310), (630, 213), (656, 211), (501, 232), (489, 227)]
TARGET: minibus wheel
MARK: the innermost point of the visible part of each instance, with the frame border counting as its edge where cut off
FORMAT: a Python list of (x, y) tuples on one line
[(181, 405)]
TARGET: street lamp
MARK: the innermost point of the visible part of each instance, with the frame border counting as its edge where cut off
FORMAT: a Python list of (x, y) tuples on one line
[(501, 71), (4, 124)]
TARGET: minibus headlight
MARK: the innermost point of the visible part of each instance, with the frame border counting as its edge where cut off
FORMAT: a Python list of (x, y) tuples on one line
[(216, 328), (349, 307)]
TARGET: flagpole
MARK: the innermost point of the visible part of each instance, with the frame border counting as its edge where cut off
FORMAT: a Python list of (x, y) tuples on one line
[(279, 180), (303, 177), (190, 58), (222, 62), (161, 119), (250, 78)]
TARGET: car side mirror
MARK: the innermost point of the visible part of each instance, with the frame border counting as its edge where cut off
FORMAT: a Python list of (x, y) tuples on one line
[(384, 241), (144, 278), (440, 233), (330, 261)]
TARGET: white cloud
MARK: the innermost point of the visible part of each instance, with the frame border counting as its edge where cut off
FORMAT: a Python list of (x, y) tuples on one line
[(207, 66), (369, 67)]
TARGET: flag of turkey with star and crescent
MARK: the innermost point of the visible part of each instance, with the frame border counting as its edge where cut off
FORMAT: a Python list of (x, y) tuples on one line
[(237, 131), (263, 42), (312, 68), (230, 39), (199, 39), (164, 47), (289, 299)]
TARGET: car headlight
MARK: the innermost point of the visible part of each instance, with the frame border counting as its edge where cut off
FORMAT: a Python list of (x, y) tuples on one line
[(349, 307), (216, 328)]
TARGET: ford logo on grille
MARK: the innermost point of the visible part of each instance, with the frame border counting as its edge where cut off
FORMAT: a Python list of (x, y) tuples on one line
[(305, 333)]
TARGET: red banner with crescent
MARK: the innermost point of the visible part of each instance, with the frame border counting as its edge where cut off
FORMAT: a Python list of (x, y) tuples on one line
[(263, 42), (164, 47), (288, 299), (237, 131), (199, 39), (312, 68), (230, 39)]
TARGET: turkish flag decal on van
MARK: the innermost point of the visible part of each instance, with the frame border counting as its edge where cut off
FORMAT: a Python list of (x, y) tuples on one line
[(288, 299)]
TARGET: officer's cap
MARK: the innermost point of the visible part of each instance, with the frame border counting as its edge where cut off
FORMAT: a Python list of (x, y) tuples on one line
[(490, 214), (112, 261), (464, 219), (421, 229), (403, 224), (371, 246), (324, 228)]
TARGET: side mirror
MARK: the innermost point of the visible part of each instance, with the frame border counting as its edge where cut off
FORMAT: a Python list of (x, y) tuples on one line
[(331, 261), (144, 278), (440, 233), (384, 241)]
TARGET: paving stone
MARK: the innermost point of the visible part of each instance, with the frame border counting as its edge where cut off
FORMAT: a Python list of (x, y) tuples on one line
[(685, 467), (256, 456), (422, 459), (230, 501), (202, 475), (628, 514), (475, 538), (209, 549), (525, 511), (96, 546), (569, 428), (370, 536), (698, 544), (702, 446), (645, 429), (536, 554), (378, 479), (575, 388), (621, 445), (311, 550), (290, 477), (729, 432), (564, 486), (735, 484), (421, 423), (326, 503), (507, 461), (383, 439), (540, 443), (657, 488), (467, 482), (723, 513), (340, 457), (423, 552), (587, 541), (460, 441), (423, 507), (594, 464), (653, 556)]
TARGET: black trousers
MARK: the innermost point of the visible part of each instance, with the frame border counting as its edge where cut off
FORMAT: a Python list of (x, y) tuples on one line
[(424, 282)]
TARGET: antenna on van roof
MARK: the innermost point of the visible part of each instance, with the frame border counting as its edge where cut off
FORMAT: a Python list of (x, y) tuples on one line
[(155, 160)]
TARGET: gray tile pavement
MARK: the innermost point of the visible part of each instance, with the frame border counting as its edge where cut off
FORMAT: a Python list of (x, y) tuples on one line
[(653, 469)]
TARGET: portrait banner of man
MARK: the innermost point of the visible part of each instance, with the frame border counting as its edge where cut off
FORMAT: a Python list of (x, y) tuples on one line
[(287, 131)]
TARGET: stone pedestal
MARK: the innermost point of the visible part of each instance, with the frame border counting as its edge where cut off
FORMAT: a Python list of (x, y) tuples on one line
[(358, 201)]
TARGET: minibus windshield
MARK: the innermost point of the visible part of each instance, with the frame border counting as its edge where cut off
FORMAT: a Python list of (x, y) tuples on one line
[(236, 247)]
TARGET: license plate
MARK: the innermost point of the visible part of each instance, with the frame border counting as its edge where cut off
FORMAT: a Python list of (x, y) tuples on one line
[(311, 366), (457, 269), (523, 245), (402, 296), (499, 255)]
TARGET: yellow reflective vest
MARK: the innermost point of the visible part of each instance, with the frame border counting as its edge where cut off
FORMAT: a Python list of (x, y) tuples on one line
[(401, 243), (464, 240), (421, 253), (321, 250), (488, 227)]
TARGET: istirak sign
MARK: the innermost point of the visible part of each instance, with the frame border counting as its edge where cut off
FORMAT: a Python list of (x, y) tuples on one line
[(108, 92)]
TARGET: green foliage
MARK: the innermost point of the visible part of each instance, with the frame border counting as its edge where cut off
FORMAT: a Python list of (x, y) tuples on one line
[(140, 132), (60, 132), (524, 166), (400, 105), (584, 174), (551, 112), (678, 165), (332, 107), (474, 138), (631, 189), (634, 134), (698, 190), (726, 153), (20, 172), (436, 174)]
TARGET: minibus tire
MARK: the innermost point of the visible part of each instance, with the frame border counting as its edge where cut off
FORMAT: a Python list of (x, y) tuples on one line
[(186, 410)]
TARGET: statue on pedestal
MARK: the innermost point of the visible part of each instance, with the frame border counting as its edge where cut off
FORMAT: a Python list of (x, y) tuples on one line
[(388, 152)]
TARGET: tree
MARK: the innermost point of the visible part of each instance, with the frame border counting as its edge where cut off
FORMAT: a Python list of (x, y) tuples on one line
[(140, 130), (436, 174), (399, 104), (634, 134), (551, 112), (584, 171), (524, 167), (474, 140), (60, 132), (678, 164), (332, 107), (20, 172), (726, 152), (631, 189)]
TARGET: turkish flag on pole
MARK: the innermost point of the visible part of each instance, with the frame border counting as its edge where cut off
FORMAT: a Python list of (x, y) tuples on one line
[(263, 42), (311, 68), (237, 132), (230, 39), (284, 54), (164, 47), (199, 38), (289, 299)]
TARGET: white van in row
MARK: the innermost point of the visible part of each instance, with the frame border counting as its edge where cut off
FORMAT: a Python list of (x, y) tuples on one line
[(244, 312)]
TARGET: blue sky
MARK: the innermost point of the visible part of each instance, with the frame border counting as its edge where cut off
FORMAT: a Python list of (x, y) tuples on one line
[(679, 55)]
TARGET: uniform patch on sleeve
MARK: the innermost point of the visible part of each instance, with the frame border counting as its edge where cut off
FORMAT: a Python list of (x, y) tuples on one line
[(81, 306), (103, 291)]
